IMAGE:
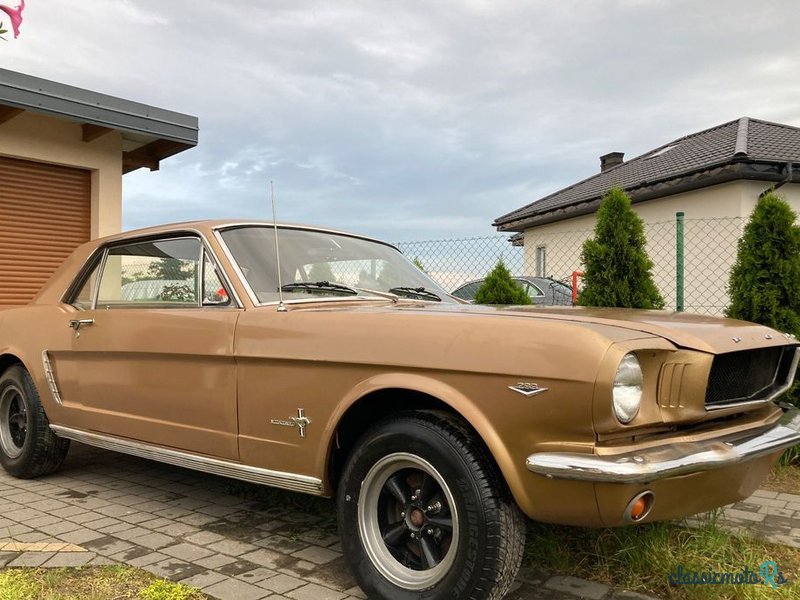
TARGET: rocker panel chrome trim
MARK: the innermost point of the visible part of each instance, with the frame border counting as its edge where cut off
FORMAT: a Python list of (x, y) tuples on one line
[(279, 479)]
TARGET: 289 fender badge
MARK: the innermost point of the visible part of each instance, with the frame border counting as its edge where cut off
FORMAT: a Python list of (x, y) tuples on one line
[(527, 389)]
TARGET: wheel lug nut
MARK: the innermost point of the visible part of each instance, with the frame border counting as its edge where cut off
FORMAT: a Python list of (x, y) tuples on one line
[(403, 514), (413, 498), (429, 532), (413, 536)]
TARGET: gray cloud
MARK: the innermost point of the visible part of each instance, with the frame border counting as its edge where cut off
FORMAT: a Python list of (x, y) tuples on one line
[(410, 120)]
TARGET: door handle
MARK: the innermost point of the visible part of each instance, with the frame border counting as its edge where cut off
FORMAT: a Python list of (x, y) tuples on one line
[(76, 324)]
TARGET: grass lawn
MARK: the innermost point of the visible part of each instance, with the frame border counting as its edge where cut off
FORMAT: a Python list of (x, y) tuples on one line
[(641, 558), (90, 583), (784, 479)]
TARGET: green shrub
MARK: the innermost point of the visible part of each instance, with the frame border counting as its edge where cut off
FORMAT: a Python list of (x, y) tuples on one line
[(765, 279), (500, 288), (617, 269)]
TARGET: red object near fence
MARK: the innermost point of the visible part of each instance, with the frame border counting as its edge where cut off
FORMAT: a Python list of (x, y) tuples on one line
[(575, 275)]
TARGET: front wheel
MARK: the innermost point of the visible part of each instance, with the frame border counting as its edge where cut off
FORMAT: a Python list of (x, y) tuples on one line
[(423, 513)]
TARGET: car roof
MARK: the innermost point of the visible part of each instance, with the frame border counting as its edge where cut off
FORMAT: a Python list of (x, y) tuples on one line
[(209, 225), (530, 278)]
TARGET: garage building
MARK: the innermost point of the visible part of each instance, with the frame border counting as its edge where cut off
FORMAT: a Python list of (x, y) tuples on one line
[(63, 151)]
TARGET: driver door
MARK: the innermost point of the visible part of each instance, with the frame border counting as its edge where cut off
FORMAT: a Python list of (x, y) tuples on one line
[(151, 353)]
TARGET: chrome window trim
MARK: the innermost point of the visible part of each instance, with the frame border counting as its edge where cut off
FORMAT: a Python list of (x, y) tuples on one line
[(156, 239), (251, 293), (270, 225), (207, 258), (72, 289), (100, 268), (288, 481), (235, 266), (226, 281), (178, 234), (774, 395)]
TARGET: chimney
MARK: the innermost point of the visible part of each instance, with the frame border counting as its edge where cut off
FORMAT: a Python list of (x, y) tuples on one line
[(612, 159)]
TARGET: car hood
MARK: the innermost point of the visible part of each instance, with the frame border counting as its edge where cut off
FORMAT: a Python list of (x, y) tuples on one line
[(697, 332)]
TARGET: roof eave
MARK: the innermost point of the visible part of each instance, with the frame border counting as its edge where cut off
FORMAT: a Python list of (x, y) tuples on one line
[(162, 132), (731, 170)]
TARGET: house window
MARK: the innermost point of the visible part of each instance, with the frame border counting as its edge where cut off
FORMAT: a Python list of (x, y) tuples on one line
[(541, 261)]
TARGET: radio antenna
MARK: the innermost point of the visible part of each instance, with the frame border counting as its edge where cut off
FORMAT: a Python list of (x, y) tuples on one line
[(281, 305)]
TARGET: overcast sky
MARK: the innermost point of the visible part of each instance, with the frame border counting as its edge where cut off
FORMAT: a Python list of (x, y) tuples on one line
[(410, 120)]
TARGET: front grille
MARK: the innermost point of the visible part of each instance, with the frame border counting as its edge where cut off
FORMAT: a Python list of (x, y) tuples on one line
[(749, 375)]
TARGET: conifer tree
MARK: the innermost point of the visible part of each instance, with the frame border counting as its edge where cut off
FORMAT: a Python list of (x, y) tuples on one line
[(500, 288), (617, 269), (765, 279)]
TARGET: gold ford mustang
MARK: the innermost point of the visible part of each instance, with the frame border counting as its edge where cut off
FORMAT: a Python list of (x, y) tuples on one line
[(340, 369)]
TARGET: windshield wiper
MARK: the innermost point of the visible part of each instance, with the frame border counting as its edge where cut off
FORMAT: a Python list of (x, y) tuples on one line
[(418, 293), (319, 286)]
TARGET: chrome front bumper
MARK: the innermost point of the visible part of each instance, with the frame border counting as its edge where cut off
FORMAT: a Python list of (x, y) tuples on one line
[(667, 461)]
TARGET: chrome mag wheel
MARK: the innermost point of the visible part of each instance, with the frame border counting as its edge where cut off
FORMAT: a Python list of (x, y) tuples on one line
[(13, 422), (408, 522)]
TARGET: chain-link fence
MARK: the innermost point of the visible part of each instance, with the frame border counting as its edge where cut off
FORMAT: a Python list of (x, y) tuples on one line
[(554, 251)]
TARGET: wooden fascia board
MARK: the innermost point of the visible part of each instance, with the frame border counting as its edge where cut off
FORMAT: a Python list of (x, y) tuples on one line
[(92, 132), (149, 155), (9, 112)]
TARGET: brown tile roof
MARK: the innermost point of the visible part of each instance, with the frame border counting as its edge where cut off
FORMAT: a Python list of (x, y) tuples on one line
[(745, 140)]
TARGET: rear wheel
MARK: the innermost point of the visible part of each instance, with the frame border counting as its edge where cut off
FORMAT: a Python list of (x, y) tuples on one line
[(28, 447), (423, 513)]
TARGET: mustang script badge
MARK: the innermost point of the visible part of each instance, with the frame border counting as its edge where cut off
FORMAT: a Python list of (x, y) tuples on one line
[(301, 421)]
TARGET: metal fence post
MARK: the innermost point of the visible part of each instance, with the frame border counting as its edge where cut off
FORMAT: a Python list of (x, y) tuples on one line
[(679, 305)]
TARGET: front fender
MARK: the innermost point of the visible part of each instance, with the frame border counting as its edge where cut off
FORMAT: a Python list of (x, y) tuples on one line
[(442, 391)]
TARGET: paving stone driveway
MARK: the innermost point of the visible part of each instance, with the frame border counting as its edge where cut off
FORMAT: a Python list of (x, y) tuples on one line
[(104, 508)]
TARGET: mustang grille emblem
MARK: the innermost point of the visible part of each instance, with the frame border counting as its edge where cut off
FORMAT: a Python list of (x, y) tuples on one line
[(301, 421), (527, 389)]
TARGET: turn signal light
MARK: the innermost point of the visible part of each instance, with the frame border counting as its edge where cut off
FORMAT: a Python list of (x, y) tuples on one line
[(639, 507)]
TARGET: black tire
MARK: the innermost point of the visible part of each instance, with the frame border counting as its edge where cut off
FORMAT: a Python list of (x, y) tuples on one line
[(403, 553), (28, 447)]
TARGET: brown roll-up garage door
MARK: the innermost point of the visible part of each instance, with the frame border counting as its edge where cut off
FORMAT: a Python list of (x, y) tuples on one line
[(45, 213)]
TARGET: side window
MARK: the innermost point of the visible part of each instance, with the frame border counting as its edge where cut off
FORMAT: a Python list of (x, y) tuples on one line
[(534, 290), (162, 274), (214, 292), (468, 291), (85, 296)]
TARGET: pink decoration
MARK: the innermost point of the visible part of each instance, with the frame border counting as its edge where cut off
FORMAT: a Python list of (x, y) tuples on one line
[(15, 14)]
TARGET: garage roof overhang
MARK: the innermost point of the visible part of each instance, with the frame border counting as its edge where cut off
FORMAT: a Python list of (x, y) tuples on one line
[(149, 134)]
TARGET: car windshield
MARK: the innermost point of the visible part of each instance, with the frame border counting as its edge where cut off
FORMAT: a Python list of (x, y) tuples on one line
[(324, 264)]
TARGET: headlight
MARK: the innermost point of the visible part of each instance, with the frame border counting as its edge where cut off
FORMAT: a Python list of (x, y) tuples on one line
[(627, 391)]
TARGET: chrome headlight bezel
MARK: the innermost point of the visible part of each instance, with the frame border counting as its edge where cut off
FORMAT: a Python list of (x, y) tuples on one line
[(627, 389)]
